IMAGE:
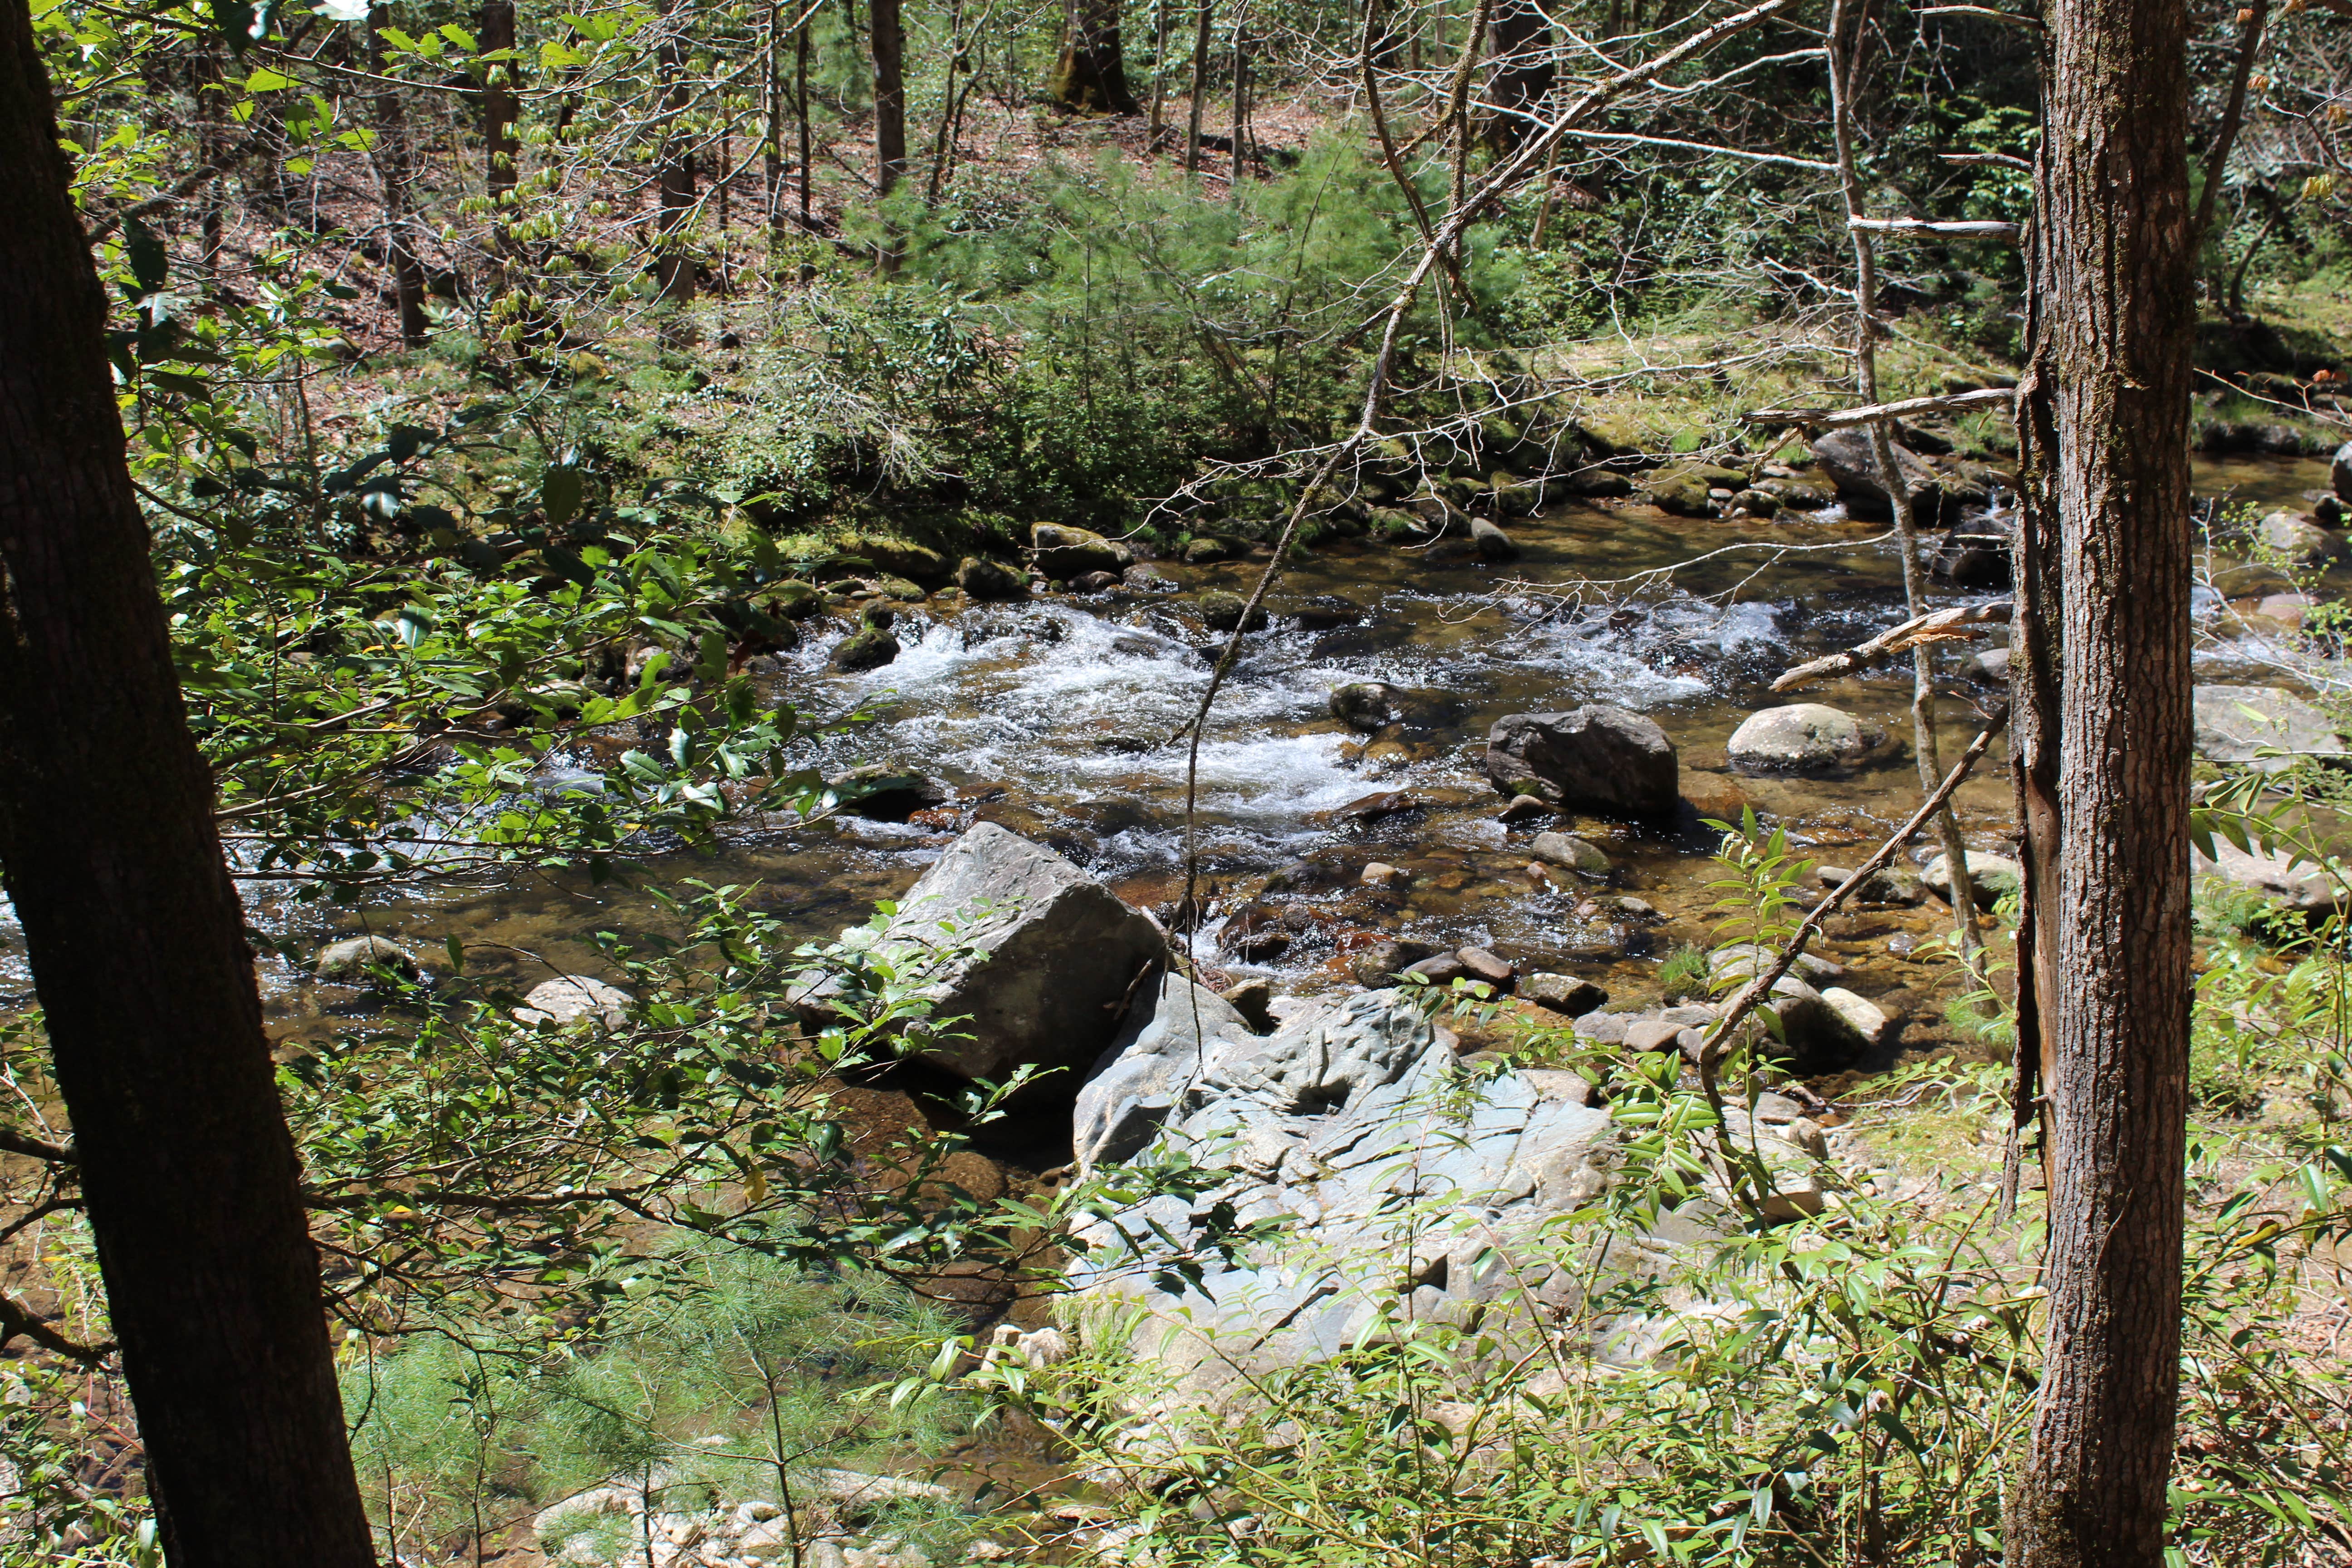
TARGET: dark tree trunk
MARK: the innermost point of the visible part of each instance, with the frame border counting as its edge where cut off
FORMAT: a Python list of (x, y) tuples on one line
[(888, 41), (2103, 419), (499, 148), (136, 938), (1524, 72), (391, 172), (1200, 87), (674, 259), (1091, 75)]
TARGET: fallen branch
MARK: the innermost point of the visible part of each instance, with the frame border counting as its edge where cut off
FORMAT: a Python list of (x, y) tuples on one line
[(1838, 418), (12, 1142), (1986, 228), (1761, 985), (15, 1321), (1963, 623)]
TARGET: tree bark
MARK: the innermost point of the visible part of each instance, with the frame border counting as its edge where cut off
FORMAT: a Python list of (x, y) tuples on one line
[(674, 267), (1091, 76), (393, 173), (136, 936), (1524, 72), (2104, 418), (1200, 87), (500, 146), (889, 44)]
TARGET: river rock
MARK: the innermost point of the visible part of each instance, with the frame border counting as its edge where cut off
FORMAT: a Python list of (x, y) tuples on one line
[(868, 648), (2304, 888), (2238, 723), (567, 997), (1486, 966), (1491, 543), (1868, 1019), (1254, 1000), (1438, 969), (1567, 851), (985, 579), (1686, 489), (1888, 885), (1740, 960), (352, 959), (1342, 1116), (1523, 808), (1567, 993), (1847, 458), (1157, 1056), (1594, 758), (1989, 667), (1066, 552), (1222, 612), (2299, 540), (884, 793), (1365, 705), (1380, 964), (1990, 875), (1039, 963), (1094, 583), (1798, 738)]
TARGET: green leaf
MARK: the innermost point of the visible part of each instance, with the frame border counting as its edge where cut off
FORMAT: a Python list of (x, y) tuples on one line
[(559, 494)]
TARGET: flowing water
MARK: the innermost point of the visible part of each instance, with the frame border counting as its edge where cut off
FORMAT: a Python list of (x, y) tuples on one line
[(1060, 718)]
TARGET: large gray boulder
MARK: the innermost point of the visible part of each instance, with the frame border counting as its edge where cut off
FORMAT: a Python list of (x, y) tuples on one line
[(2274, 875), (2239, 723), (1595, 758), (1036, 955), (1169, 1041), (1798, 738)]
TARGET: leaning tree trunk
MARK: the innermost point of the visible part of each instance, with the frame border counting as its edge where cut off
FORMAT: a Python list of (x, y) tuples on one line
[(136, 937), (1091, 76), (2103, 424)]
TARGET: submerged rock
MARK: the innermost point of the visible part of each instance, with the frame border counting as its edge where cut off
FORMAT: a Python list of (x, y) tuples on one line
[(1798, 738), (1567, 851), (355, 957), (571, 996), (2299, 540), (2239, 723), (1365, 705), (1039, 960), (1594, 758)]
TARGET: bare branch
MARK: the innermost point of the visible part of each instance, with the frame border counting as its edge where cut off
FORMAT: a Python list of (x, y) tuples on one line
[(1837, 418), (1962, 623)]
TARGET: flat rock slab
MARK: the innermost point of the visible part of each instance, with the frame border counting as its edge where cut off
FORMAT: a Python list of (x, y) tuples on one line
[(2262, 727)]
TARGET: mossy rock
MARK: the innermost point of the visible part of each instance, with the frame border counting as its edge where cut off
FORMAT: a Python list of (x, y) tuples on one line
[(1682, 487), (985, 579), (899, 588), (796, 601), (904, 558), (1222, 612), (868, 648)]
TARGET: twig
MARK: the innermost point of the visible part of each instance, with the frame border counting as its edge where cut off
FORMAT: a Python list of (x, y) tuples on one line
[(13, 1142), (1958, 624)]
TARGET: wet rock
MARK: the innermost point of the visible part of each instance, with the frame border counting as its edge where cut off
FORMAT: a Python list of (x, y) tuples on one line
[(1565, 849), (1888, 885), (1867, 1019), (1565, 994), (2238, 723), (884, 793), (1382, 963), (1990, 875), (1684, 488), (1365, 705), (1039, 960), (1148, 579), (1802, 494), (1491, 543), (1160, 1049), (1815, 1035), (1757, 503), (1254, 1000), (1594, 758), (1328, 612), (1646, 1035), (1201, 550), (1798, 738), (1256, 935), (1222, 612), (2340, 472), (1484, 965), (1380, 874), (1094, 583), (1523, 808), (1596, 483), (985, 579), (1715, 798), (1637, 909), (567, 997), (1072, 552), (1443, 969), (1847, 458), (1372, 808), (1740, 961), (351, 960), (1989, 667), (868, 648), (2303, 887), (2299, 540)]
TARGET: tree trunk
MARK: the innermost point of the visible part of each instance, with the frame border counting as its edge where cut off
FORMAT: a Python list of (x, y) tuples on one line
[(2103, 424), (499, 148), (1200, 89), (673, 260), (889, 45), (136, 937), (773, 154), (1523, 73), (392, 170), (1241, 105), (1091, 76)]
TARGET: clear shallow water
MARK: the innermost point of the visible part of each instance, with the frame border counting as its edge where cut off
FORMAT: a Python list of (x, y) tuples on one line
[(1059, 718)]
